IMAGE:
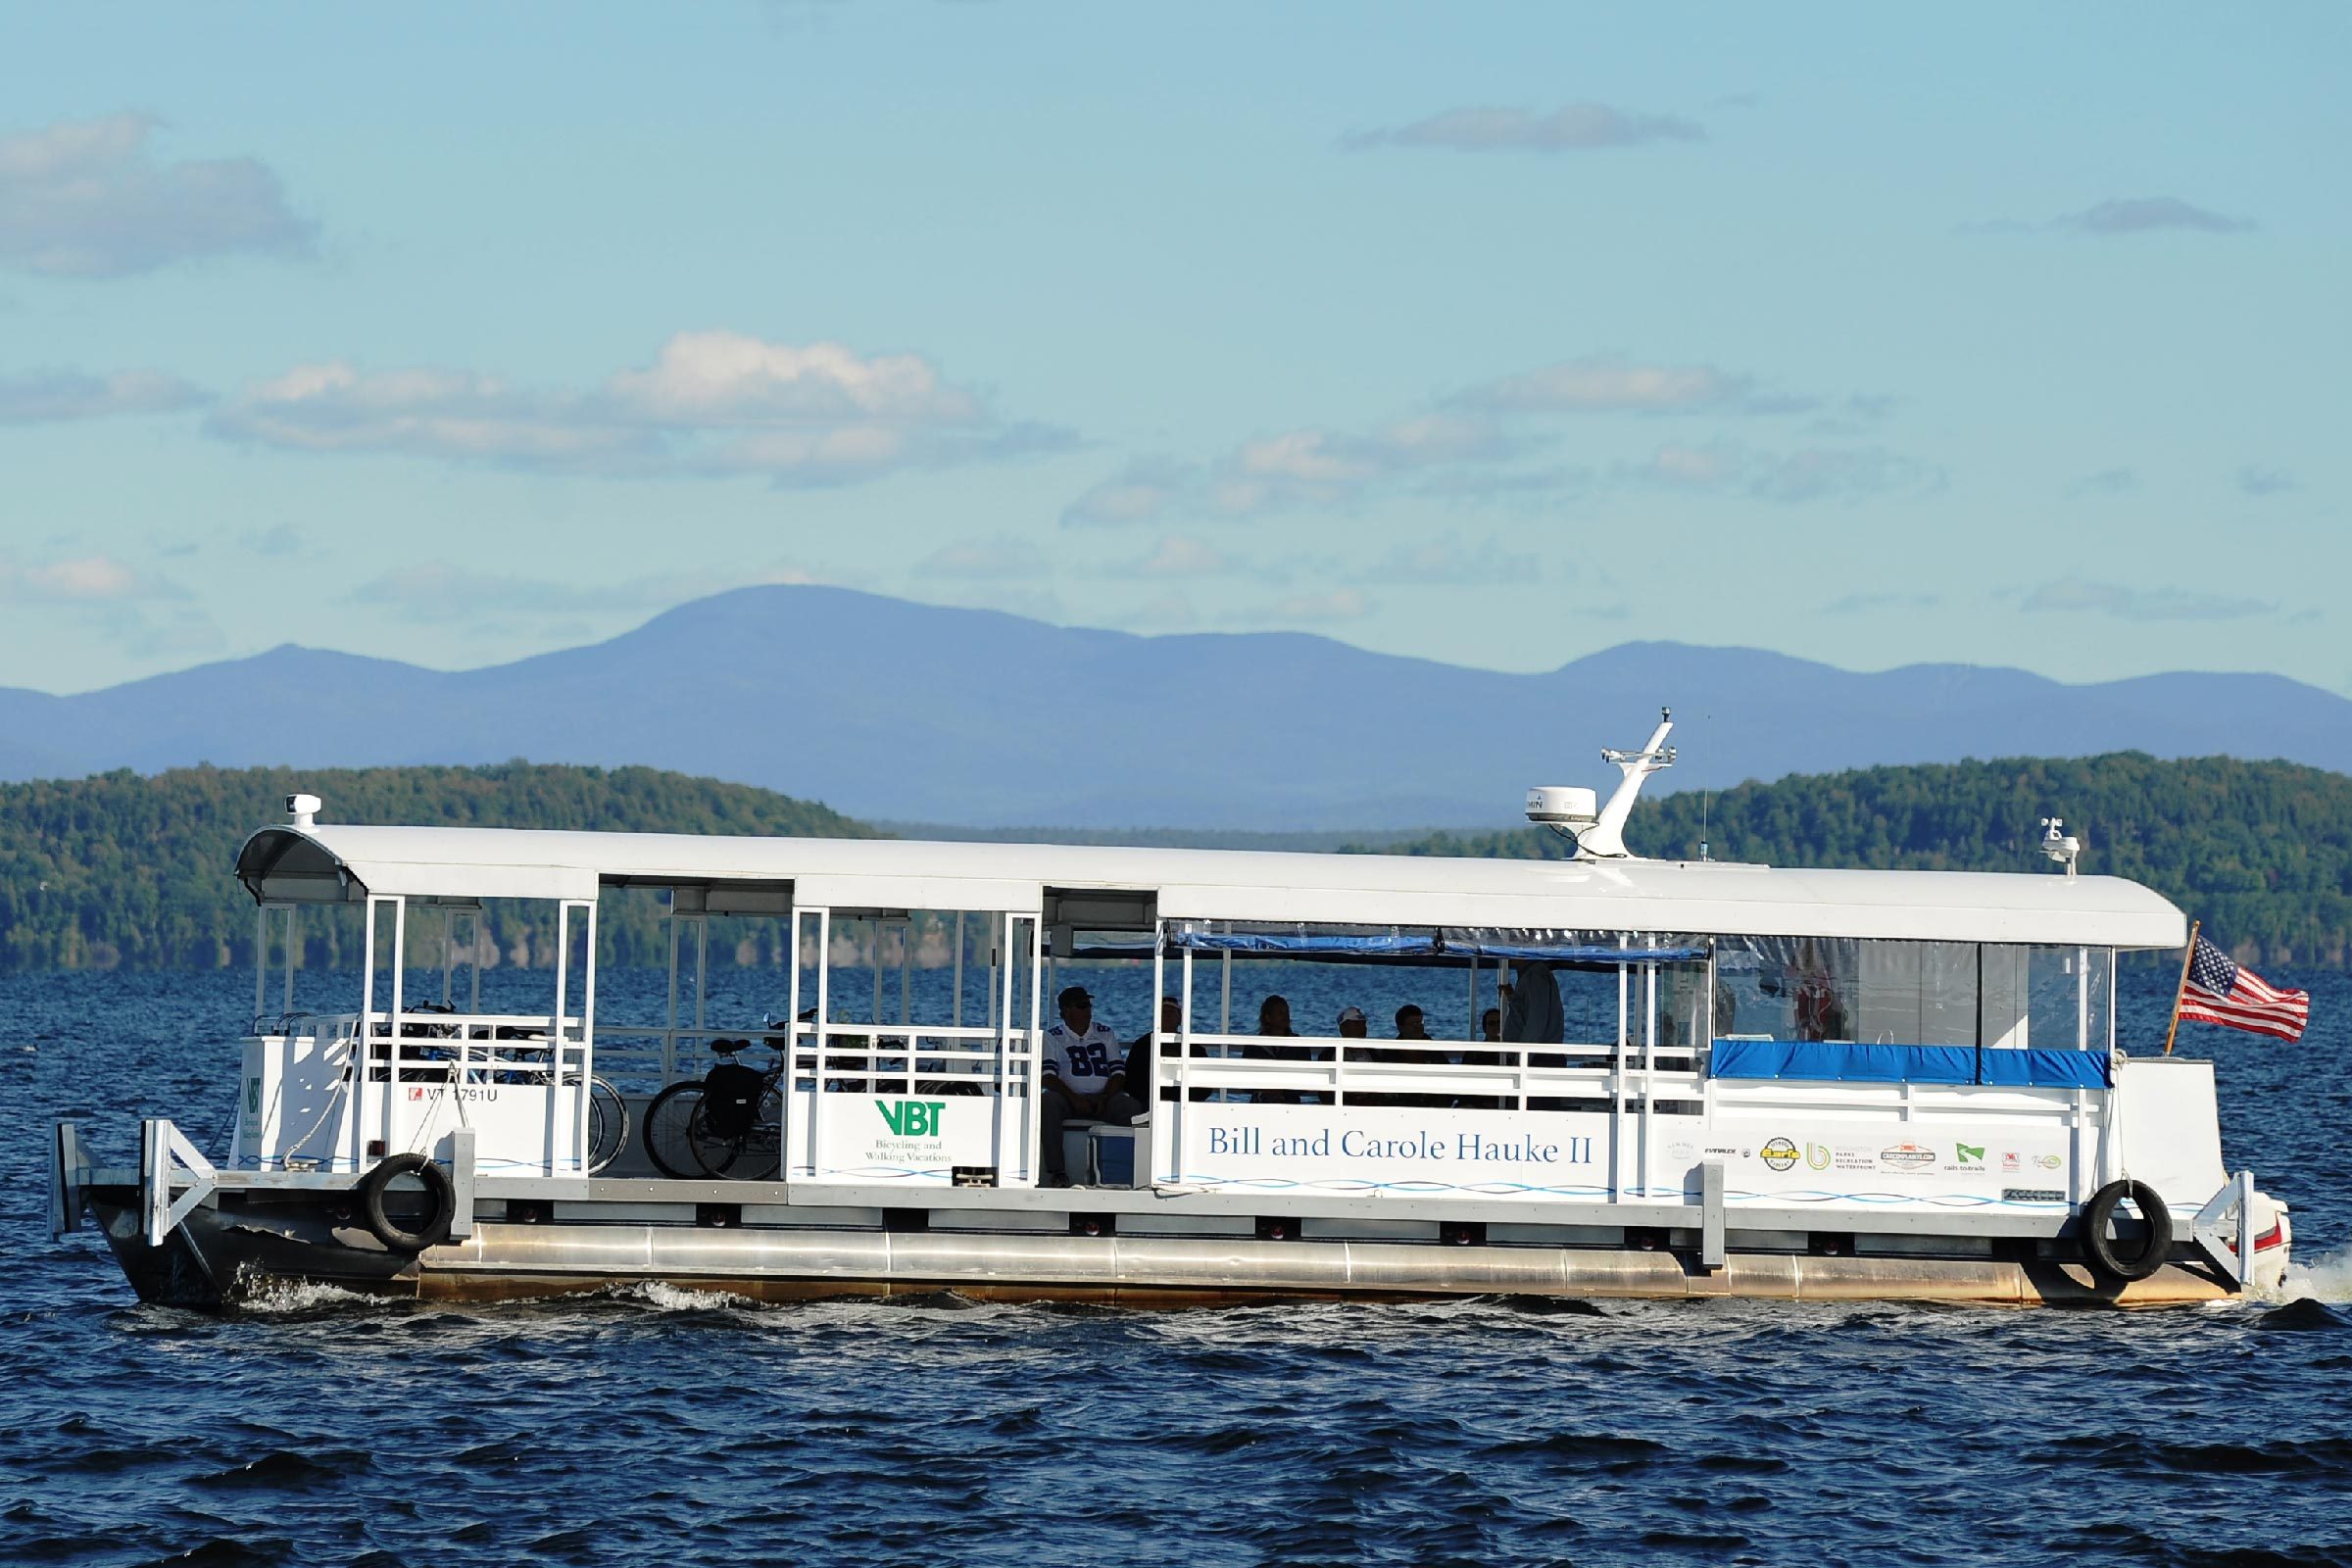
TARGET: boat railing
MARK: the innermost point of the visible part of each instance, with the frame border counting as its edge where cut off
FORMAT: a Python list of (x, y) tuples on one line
[(900, 1059), (1512, 1073), (473, 1048)]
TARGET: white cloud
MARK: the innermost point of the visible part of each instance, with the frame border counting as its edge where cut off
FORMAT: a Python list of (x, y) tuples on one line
[(730, 378), (712, 404), (1806, 474), (1613, 386), (47, 395), (1293, 469), (1572, 127), (80, 580), (2080, 595), (88, 199)]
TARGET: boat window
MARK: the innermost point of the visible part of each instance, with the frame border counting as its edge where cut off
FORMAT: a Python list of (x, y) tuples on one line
[(1912, 992)]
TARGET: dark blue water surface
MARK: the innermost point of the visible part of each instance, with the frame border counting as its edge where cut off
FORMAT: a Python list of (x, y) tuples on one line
[(655, 1427)]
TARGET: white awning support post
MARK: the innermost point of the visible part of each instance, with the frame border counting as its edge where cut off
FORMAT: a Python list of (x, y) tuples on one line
[(161, 1145), (2230, 1250)]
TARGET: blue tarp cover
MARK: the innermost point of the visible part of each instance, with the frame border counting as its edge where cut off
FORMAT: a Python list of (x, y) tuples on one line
[(1825, 1062), (1412, 946)]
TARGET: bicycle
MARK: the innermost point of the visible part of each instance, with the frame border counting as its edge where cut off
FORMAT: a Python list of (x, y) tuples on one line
[(727, 1123)]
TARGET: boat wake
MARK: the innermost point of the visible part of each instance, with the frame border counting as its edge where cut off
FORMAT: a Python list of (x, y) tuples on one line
[(2329, 1278), (667, 1297), (300, 1298)]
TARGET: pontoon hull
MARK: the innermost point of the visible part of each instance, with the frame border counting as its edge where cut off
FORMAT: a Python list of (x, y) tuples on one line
[(220, 1258)]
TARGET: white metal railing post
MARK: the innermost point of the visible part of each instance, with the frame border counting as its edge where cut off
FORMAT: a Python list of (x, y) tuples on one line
[(670, 1036), (260, 960), (582, 1096), (363, 1048), (956, 1002), (1649, 1069), (1225, 993), (294, 946), (1148, 1091), (702, 978), (555, 1033), (2082, 999), (824, 1023), (794, 1111), (1033, 1039), (1000, 1005), (1617, 1077), (393, 1141), (1184, 1069)]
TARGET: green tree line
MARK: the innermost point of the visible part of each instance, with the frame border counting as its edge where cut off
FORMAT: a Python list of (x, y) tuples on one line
[(132, 871), (2260, 852)]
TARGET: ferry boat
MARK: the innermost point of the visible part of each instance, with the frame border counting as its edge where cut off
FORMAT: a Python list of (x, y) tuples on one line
[(1711, 1079)]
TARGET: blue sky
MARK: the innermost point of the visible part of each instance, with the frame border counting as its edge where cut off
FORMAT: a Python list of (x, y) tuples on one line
[(1493, 335)]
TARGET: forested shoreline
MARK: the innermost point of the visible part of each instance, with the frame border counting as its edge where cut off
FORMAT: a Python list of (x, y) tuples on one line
[(129, 871)]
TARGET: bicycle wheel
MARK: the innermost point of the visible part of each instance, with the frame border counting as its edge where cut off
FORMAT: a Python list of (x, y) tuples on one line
[(672, 1122), (608, 1124), (758, 1153)]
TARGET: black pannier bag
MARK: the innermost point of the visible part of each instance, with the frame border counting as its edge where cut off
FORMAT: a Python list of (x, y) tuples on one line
[(730, 1098)]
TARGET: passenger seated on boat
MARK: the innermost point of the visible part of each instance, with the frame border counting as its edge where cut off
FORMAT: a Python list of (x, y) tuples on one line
[(1082, 1075), (1274, 1023), (1490, 1024), (1139, 1055), (1412, 1024)]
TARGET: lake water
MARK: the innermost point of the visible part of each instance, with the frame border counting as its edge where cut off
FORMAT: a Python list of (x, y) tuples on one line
[(655, 1427)]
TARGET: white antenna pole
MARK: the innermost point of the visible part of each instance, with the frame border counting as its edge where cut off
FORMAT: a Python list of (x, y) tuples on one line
[(1605, 839)]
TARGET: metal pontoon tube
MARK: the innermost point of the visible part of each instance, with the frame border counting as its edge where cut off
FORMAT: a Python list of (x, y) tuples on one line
[(507, 1261)]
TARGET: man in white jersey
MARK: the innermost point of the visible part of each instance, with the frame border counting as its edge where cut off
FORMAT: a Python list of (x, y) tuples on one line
[(1085, 1075)]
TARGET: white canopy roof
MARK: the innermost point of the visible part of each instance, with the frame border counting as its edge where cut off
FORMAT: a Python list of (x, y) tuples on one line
[(332, 864)]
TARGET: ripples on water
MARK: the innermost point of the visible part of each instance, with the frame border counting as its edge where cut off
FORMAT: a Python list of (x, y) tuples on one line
[(658, 1426)]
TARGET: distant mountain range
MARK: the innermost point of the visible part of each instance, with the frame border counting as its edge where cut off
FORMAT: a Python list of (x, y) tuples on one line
[(916, 713)]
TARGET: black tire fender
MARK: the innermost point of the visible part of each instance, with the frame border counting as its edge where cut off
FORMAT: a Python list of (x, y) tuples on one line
[(2099, 1247), (443, 1198)]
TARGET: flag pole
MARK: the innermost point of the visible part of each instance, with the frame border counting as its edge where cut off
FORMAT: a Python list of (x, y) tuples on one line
[(2179, 990)]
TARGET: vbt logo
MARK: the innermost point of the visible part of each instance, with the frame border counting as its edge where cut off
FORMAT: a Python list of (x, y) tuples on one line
[(912, 1118)]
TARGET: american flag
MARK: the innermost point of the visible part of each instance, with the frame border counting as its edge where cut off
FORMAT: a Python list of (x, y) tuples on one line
[(2217, 991)]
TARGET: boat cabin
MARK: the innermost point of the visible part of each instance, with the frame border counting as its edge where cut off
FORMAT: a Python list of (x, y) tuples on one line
[(1833, 1039)]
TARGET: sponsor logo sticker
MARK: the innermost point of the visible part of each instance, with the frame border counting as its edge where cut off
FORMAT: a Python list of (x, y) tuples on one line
[(1970, 1154), (913, 1118), (2030, 1195), (1780, 1154), (2010, 1164), (1817, 1155), (1907, 1158)]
